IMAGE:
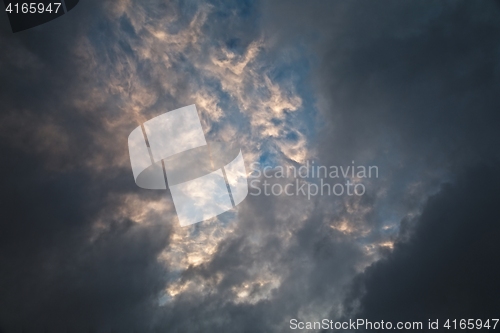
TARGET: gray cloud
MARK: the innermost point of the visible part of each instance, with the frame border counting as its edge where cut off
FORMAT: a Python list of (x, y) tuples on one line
[(409, 87), (449, 267), (59, 272)]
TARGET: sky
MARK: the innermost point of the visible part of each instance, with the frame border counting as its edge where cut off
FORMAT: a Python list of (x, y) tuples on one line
[(409, 87)]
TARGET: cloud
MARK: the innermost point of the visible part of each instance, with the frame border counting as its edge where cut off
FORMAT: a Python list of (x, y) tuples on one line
[(407, 87), (449, 267)]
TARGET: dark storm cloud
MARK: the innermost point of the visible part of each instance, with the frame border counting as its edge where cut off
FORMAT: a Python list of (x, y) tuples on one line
[(53, 277), (57, 272), (415, 79), (434, 94), (413, 87), (449, 268), (434, 90), (410, 87)]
